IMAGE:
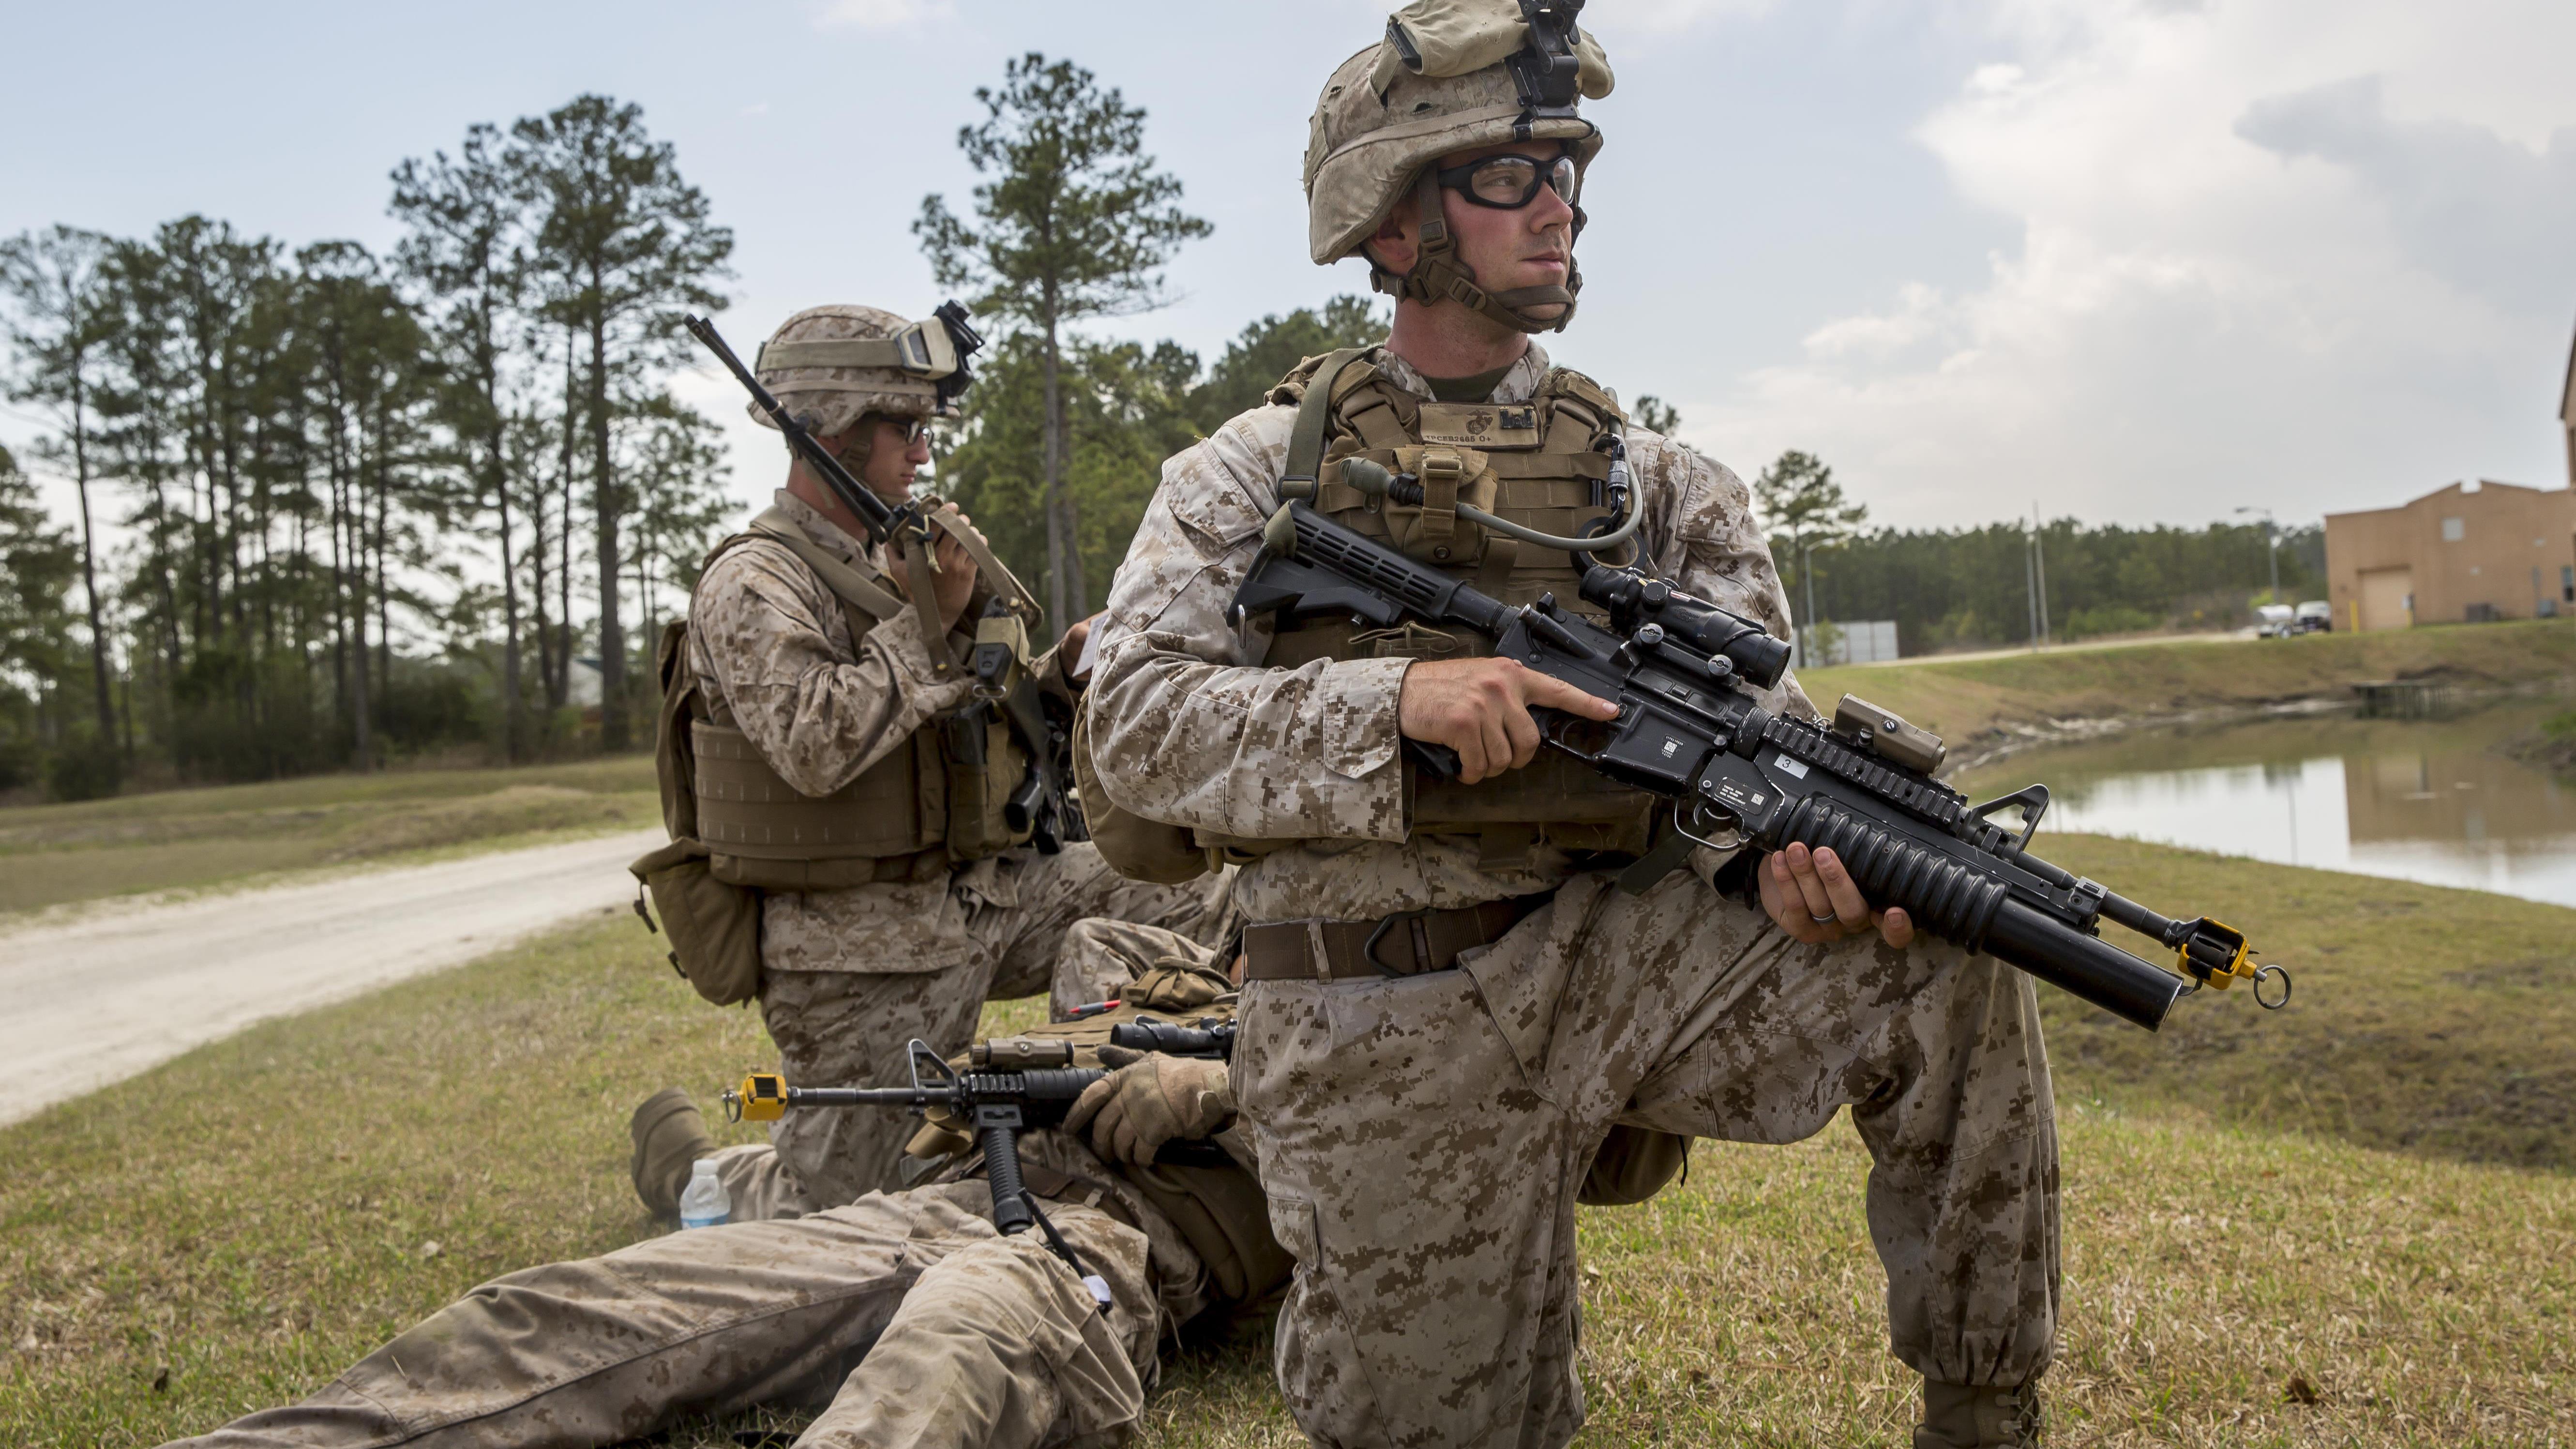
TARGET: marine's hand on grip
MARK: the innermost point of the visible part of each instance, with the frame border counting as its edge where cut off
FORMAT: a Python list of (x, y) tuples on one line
[(1151, 1099), (1811, 897), (1480, 708)]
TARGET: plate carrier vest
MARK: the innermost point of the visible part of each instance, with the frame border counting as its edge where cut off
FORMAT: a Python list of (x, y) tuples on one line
[(935, 801), (1538, 463)]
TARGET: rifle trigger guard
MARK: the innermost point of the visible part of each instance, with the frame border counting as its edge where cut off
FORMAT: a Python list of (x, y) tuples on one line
[(1731, 840)]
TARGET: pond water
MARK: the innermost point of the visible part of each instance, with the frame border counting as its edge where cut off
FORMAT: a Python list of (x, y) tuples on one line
[(2421, 800)]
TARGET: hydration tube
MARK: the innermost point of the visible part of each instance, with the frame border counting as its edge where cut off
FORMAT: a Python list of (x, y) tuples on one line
[(1375, 481)]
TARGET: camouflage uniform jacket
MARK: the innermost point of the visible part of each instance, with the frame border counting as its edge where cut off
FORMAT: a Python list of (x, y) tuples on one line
[(1187, 727), (773, 653)]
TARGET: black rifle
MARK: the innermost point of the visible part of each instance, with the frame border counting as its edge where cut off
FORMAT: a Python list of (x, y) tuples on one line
[(1212, 1037), (996, 1105), (1683, 673), (885, 522)]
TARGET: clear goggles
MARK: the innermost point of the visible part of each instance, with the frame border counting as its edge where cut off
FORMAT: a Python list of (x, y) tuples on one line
[(1509, 182)]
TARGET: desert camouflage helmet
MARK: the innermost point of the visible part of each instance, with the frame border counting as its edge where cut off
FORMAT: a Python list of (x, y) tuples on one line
[(1450, 76), (833, 365)]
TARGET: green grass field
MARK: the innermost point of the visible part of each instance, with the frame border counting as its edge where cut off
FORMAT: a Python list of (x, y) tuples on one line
[(177, 839), (1963, 700), (2367, 1194)]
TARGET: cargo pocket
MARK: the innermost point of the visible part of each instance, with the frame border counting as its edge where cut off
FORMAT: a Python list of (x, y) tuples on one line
[(1320, 1371), (713, 927)]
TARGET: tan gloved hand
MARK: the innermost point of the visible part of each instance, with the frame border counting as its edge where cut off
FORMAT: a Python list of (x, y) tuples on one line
[(1149, 1100)]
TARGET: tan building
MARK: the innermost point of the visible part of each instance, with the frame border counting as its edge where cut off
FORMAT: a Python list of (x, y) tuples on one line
[(2470, 553), (2567, 414)]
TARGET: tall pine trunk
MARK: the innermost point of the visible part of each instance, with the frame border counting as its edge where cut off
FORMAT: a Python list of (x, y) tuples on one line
[(1067, 597), (500, 474), (613, 730), (89, 559)]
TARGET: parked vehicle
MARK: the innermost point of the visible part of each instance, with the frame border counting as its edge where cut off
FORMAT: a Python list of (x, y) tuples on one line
[(2316, 616), (2275, 621)]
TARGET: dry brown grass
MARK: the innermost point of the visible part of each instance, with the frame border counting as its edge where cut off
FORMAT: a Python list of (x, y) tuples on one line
[(257, 1213)]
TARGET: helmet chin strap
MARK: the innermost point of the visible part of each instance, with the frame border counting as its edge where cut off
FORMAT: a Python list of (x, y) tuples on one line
[(1437, 273)]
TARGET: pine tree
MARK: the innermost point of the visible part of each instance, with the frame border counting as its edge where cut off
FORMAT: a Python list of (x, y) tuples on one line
[(1074, 223), (622, 248), (1806, 511)]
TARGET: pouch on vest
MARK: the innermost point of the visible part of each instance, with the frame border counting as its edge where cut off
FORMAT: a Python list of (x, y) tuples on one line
[(1135, 847), (1538, 467), (1432, 530), (713, 928)]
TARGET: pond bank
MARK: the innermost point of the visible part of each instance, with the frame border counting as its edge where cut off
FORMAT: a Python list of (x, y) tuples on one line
[(1990, 706)]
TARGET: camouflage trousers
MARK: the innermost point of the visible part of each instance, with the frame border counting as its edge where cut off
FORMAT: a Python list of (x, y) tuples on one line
[(1422, 1139), (903, 1316), (849, 977)]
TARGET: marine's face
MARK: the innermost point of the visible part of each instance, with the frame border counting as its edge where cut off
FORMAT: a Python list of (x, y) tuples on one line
[(1529, 246), (895, 450), (1506, 248)]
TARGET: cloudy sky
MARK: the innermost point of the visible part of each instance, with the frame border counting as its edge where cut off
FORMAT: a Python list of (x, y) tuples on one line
[(2141, 260)]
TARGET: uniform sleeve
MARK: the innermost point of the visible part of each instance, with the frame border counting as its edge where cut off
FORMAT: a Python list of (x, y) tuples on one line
[(1712, 545), (771, 635), (1185, 727)]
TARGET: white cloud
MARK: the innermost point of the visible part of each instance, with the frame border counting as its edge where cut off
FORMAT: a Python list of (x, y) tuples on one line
[(883, 14), (2305, 252)]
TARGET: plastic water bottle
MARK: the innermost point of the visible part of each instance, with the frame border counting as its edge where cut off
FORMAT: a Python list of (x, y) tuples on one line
[(705, 1203)]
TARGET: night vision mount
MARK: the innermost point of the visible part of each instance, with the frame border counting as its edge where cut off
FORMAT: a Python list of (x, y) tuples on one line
[(963, 343), (1546, 71)]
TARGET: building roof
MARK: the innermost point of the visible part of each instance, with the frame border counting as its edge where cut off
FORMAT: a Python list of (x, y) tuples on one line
[(2466, 487), (2567, 394)]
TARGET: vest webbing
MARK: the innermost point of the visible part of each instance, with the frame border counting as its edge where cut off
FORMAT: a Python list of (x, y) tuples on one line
[(894, 821), (1551, 483)]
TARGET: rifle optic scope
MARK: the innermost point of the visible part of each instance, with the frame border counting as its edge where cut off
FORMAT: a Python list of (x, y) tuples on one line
[(1633, 598)]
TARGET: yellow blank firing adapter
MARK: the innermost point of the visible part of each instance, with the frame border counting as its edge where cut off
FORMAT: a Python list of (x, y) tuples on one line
[(762, 1097), (2217, 954)]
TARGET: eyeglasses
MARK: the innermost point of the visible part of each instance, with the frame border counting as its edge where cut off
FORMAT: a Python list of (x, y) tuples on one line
[(913, 429), (1509, 182)]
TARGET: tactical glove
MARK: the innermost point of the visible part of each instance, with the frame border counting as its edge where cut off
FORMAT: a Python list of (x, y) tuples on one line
[(1149, 1100)]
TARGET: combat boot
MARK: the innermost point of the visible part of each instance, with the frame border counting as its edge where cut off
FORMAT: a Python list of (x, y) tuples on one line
[(669, 1135), (1978, 1416)]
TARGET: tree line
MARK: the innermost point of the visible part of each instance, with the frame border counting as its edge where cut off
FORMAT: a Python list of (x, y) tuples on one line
[(368, 506), (368, 503), (2011, 583)]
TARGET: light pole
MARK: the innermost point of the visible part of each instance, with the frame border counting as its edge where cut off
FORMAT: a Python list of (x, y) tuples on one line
[(2271, 546)]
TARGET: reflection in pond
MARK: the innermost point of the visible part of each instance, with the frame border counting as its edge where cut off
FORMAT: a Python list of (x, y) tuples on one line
[(2428, 800)]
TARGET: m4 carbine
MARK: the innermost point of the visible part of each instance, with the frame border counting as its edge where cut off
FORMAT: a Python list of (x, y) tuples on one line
[(1684, 674), (1010, 1087)]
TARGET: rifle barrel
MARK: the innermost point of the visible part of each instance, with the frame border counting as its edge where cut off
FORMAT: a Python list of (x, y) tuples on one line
[(883, 522)]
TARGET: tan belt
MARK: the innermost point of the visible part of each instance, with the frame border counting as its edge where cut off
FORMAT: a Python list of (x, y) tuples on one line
[(1407, 943)]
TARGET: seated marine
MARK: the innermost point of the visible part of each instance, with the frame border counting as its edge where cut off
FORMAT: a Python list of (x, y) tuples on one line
[(906, 1318)]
